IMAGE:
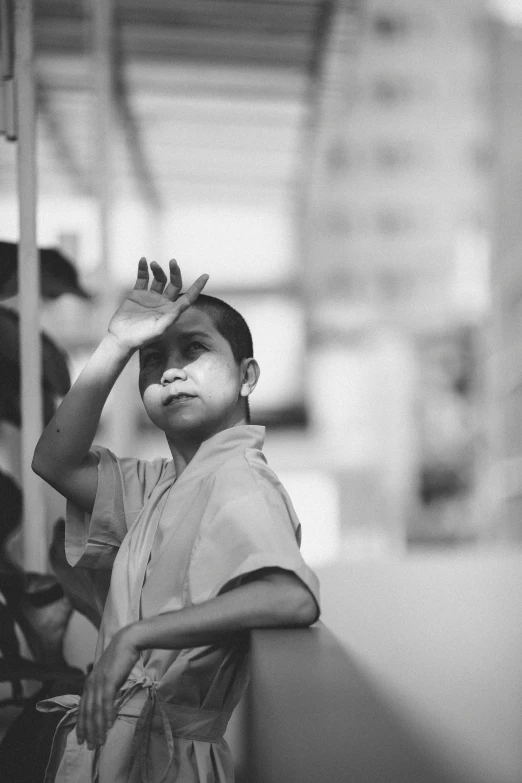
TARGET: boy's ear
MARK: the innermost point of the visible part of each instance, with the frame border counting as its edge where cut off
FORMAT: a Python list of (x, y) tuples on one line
[(250, 376)]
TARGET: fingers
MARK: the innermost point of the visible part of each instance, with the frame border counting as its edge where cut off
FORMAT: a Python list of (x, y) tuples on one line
[(102, 711), (173, 289), (109, 710), (142, 281), (95, 713), (192, 293), (160, 278), (83, 712)]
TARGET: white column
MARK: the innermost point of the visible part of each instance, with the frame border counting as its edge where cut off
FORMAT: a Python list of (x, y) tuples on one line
[(103, 123), (117, 407), (34, 532)]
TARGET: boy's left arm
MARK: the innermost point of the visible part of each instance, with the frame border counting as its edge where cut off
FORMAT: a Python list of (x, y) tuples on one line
[(276, 599)]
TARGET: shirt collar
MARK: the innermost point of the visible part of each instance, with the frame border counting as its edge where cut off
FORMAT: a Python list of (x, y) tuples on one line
[(221, 447)]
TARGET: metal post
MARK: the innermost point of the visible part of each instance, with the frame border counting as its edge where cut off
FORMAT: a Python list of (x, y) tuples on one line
[(103, 13), (104, 113), (7, 89), (34, 533), (6, 40)]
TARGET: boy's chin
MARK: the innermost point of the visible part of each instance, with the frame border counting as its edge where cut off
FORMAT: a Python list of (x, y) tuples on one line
[(193, 424), (195, 430), (188, 429)]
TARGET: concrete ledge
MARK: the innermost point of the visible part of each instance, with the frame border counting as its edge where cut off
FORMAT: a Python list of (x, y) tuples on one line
[(314, 715)]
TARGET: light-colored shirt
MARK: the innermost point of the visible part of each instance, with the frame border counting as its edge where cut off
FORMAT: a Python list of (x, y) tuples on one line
[(171, 543)]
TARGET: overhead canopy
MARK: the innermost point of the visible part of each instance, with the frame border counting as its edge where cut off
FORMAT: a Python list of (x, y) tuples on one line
[(210, 96)]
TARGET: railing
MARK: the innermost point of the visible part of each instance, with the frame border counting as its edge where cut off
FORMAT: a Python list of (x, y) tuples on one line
[(314, 716)]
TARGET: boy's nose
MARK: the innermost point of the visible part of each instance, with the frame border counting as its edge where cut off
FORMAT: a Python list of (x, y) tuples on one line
[(173, 374)]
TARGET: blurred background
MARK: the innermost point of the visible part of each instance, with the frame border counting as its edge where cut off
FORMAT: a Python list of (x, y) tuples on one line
[(348, 173), (335, 167)]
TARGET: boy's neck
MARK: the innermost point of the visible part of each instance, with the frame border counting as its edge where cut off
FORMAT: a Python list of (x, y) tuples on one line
[(183, 450), (182, 453)]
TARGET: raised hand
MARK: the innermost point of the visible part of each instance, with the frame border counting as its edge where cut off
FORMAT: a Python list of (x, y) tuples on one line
[(147, 312)]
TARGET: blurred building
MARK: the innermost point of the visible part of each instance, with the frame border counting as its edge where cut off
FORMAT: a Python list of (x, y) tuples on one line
[(504, 352), (396, 222), (400, 189)]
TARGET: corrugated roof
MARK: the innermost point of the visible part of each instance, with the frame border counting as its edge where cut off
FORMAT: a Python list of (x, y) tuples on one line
[(210, 95)]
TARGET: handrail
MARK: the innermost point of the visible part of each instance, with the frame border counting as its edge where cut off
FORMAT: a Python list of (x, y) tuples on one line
[(314, 715)]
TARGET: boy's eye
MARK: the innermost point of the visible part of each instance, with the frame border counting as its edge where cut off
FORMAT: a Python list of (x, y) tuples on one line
[(194, 346), (150, 358)]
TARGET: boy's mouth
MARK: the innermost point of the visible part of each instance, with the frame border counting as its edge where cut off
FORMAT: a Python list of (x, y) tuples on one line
[(177, 398)]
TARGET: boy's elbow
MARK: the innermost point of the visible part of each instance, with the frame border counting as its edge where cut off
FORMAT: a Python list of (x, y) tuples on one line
[(307, 610), (41, 465), (298, 605), (37, 465)]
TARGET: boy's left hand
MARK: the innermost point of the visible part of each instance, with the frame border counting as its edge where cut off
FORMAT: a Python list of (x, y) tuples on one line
[(96, 712)]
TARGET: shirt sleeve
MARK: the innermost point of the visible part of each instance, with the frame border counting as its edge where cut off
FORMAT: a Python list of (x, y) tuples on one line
[(124, 485), (249, 534), (87, 589)]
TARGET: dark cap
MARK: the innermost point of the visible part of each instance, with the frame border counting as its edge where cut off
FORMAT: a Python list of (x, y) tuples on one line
[(58, 274)]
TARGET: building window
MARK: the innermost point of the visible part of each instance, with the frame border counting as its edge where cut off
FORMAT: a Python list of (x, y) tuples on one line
[(338, 157), (482, 157), (393, 156), (475, 220), (481, 92), (336, 222), (389, 26), (479, 28), (390, 221), (389, 92), (342, 281), (393, 285)]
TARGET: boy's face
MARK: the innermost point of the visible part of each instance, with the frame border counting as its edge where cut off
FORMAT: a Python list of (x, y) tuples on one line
[(189, 380)]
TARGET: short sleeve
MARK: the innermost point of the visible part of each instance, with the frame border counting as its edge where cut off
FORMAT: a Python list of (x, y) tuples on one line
[(124, 485), (251, 533)]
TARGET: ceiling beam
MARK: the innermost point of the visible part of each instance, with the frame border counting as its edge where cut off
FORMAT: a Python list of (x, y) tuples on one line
[(64, 150), (121, 106), (278, 16), (321, 30), (131, 131), (173, 44), (68, 72)]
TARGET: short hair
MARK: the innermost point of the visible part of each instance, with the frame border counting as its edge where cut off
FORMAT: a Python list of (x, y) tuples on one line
[(231, 325)]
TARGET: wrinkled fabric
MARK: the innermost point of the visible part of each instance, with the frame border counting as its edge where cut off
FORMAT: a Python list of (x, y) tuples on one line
[(172, 543), (72, 761)]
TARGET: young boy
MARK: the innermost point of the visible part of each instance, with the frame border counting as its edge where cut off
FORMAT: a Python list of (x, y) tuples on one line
[(202, 547)]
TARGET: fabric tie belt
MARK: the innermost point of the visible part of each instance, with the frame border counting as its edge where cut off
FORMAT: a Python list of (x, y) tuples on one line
[(80, 764)]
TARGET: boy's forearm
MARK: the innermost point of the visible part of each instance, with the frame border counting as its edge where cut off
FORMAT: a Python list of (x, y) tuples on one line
[(68, 437), (278, 601)]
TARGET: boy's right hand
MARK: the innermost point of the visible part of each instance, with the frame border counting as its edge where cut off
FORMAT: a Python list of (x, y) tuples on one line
[(147, 313)]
